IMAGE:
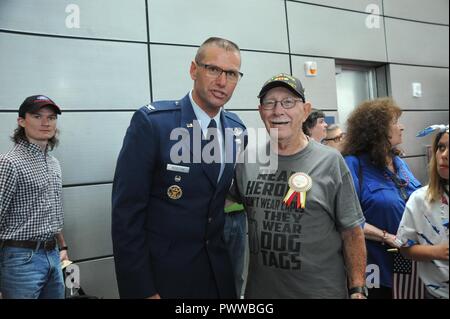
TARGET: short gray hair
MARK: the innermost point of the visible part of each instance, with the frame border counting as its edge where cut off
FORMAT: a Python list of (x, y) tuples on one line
[(218, 42)]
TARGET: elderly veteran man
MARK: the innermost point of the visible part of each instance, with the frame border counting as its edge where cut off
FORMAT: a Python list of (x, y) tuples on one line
[(304, 217)]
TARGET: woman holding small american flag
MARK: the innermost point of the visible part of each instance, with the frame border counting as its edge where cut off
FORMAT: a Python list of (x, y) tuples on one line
[(423, 232)]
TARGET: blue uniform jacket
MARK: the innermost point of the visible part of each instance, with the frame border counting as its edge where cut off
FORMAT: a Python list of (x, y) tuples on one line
[(161, 244), (382, 204)]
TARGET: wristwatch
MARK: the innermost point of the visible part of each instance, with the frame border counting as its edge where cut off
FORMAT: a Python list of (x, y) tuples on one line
[(358, 290)]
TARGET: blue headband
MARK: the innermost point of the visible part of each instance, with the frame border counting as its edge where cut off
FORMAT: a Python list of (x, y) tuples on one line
[(433, 128)]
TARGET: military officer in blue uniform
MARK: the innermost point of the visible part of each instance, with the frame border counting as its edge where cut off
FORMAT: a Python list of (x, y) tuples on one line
[(167, 199)]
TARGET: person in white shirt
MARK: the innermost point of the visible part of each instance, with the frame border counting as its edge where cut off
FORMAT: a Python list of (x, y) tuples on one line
[(423, 231)]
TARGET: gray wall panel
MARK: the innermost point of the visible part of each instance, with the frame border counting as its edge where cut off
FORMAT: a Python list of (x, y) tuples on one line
[(87, 221), (77, 74), (171, 81), (244, 22), (98, 278), (258, 68), (417, 43), (251, 119), (123, 20), (434, 81), (254, 124), (336, 33), (88, 151), (319, 90), (244, 97), (415, 122), (418, 165), (8, 122), (435, 11), (358, 5)]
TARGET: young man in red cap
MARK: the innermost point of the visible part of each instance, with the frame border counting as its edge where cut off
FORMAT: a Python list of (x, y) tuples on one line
[(31, 214)]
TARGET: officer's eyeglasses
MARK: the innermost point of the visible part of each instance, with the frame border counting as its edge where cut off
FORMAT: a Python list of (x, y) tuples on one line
[(335, 139), (214, 72), (287, 103)]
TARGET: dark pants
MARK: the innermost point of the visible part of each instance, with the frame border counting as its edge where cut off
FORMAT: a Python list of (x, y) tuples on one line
[(235, 237)]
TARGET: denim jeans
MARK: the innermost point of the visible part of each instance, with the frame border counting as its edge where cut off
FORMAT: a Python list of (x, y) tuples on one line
[(235, 237), (30, 274)]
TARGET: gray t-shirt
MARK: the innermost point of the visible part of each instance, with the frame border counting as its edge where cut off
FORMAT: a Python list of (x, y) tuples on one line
[(297, 253)]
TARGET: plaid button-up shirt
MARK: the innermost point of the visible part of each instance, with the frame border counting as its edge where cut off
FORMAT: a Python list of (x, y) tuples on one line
[(30, 194)]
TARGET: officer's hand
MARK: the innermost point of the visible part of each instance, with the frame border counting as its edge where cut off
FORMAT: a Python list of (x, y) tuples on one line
[(155, 296)]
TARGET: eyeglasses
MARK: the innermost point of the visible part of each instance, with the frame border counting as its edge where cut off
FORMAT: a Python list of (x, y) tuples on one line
[(287, 103), (335, 139), (214, 72)]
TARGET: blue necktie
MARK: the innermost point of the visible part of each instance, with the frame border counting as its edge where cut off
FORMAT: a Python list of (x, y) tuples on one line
[(212, 135)]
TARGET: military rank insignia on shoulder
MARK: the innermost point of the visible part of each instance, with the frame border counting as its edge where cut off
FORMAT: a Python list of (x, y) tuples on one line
[(150, 107), (161, 106)]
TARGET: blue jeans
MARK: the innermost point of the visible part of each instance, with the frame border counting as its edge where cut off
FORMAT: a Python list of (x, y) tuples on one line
[(235, 236), (30, 274)]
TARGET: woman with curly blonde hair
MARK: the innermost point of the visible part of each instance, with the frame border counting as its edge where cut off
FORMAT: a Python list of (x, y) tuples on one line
[(382, 180)]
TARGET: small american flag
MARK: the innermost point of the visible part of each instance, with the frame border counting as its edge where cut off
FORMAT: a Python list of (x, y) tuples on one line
[(406, 282)]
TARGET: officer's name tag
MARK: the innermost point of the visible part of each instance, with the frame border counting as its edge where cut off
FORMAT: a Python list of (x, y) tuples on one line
[(177, 168)]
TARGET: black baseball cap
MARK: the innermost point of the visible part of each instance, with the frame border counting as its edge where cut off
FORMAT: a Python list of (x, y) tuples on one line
[(36, 102), (285, 80)]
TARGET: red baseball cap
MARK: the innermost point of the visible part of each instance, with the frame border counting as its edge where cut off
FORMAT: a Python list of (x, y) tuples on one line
[(36, 102)]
